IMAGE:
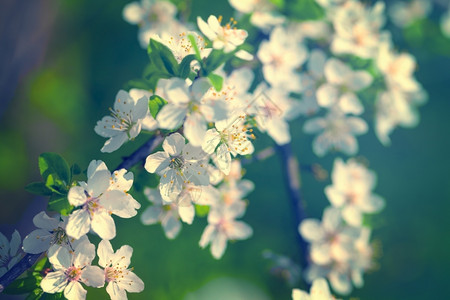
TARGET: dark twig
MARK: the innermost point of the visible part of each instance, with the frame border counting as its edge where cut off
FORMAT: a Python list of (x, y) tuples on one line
[(291, 174), (30, 259)]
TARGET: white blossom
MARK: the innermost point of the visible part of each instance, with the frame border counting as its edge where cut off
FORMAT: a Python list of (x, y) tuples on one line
[(129, 116), (222, 227), (50, 235), (281, 55), (341, 85), (404, 14), (223, 37), (319, 291), (117, 274), (335, 131), (9, 251), (70, 269), (352, 191), (177, 165), (103, 194)]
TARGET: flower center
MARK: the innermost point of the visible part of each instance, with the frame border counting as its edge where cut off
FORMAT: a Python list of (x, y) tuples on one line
[(177, 163), (60, 236), (73, 273)]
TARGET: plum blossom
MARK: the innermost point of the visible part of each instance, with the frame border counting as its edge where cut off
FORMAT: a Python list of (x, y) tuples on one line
[(222, 226), (129, 116), (72, 269), (222, 37), (9, 251), (352, 191), (272, 109), (341, 85), (334, 251), (188, 105), (357, 29), (404, 14), (319, 291), (154, 17), (103, 194), (166, 213), (117, 275), (335, 131), (178, 164), (264, 14), (228, 138), (281, 55), (50, 235)]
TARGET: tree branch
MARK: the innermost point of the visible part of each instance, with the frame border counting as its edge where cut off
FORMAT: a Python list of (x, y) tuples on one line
[(292, 178), (30, 259)]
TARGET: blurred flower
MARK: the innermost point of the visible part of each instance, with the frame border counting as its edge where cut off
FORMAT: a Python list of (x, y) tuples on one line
[(335, 131), (404, 14), (319, 291), (9, 251), (341, 85), (352, 191), (222, 226)]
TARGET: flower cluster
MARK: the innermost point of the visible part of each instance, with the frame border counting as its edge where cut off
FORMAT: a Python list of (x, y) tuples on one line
[(339, 244)]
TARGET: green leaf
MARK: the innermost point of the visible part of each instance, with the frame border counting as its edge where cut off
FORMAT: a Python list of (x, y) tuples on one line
[(216, 81), (56, 296), (142, 84), (162, 57), (39, 266), (54, 166), (38, 188), (36, 294), (59, 204), (216, 59), (185, 66), (201, 210), (155, 104), (304, 10), (194, 45), (22, 285)]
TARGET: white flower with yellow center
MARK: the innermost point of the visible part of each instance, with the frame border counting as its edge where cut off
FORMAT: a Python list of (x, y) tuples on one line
[(72, 269), (98, 199), (117, 274), (228, 138), (50, 235), (178, 164), (225, 37), (129, 116)]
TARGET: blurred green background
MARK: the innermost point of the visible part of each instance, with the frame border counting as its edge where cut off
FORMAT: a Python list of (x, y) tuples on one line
[(62, 65)]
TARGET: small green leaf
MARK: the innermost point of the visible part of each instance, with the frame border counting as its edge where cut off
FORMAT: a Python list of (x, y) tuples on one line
[(39, 266), (59, 204), (185, 66), (38, 188), (194, 45), (201, 210), (142, 84), (216, 81), (36, 294), (155, 104), (53, 164)]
